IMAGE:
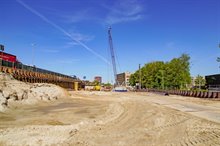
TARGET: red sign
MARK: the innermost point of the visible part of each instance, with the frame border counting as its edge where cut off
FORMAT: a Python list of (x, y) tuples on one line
[(7, 57)]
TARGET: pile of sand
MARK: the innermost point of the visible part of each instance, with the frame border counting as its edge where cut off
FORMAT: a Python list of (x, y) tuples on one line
[(16, 92)]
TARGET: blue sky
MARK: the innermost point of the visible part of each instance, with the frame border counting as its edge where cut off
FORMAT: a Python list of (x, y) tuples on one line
[(70, 36)]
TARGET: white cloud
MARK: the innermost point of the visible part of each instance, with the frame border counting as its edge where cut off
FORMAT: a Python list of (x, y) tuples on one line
[(70, 44), (124, 11), (67, 61), (60, 62), (120, 11), (170, 45), (114, 20), (61, 29), (82, 37), (50, 51), (77, 16)]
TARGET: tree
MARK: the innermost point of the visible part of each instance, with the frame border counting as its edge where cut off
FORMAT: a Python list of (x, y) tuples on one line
[(185, 68), (133, 79), (154, 75), (158, 74), (218, 59), (200, 81), (96, 83), (107, 85), (178, 72)]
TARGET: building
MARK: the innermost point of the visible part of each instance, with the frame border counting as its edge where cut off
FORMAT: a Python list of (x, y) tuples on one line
[(123, 79), (8, 60), (213, 82), (197, 82), (98, 78)]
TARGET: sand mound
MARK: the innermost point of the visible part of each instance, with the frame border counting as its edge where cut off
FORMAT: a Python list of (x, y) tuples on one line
[(16, 92)]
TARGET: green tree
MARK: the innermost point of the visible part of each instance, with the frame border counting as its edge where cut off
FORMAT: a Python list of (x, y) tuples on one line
[(96, 83), (178, 72), (218, 59), (133, 79), (200, 81), (174, 74), (107, 85), (185, 70), (153, 78)]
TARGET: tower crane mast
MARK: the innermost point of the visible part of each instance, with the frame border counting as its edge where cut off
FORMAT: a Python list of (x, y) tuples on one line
[(112, 55)]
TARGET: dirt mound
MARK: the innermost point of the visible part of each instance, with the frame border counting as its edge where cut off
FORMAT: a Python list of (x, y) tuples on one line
[(16, 92)]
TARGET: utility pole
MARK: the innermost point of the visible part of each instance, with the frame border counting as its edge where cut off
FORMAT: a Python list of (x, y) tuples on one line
[(139, 76), (218, 58), (2, 48), (162, 72)]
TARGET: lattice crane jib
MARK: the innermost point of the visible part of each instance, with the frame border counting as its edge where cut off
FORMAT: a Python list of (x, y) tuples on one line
[(112, 54)]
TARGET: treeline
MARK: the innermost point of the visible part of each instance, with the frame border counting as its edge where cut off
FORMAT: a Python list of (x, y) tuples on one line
[(174, 74)]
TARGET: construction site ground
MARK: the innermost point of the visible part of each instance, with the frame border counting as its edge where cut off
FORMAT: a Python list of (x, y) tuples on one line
[(113, 119)]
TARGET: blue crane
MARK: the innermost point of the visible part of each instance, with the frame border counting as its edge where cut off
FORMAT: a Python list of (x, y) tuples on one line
[(112, 55)]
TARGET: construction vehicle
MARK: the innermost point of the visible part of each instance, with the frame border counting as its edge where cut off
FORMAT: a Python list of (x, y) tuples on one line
[(97, 88), (117, 86)]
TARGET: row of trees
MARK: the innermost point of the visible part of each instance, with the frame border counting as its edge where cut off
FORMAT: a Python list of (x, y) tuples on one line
[(174, 74)]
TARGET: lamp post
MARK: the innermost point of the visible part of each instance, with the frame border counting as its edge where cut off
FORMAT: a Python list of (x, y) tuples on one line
[(218, 58)]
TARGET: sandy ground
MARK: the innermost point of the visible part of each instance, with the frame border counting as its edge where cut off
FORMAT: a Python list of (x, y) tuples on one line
[(110, 119)]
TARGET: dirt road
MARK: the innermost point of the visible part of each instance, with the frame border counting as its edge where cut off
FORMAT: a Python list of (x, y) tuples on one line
[(104, 118)]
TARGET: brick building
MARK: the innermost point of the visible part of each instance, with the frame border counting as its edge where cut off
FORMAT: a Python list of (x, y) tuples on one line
[(123, 78)]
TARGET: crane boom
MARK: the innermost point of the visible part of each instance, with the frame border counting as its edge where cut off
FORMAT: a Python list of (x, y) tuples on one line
[(112, 54)]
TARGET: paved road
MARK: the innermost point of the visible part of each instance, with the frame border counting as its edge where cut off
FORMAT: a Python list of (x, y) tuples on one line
[(209, 110)]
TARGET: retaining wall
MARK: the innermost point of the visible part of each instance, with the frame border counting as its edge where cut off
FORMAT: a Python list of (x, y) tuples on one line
[(35, 77)]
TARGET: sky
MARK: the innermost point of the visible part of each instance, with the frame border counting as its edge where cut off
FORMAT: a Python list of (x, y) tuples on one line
[(71, 36)]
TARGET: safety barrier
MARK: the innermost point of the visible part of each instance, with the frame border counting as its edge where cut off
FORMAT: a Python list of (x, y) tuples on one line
[(198, 94)]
